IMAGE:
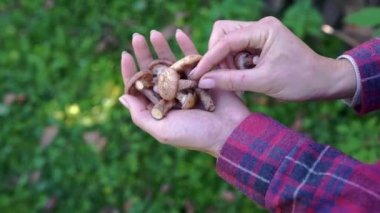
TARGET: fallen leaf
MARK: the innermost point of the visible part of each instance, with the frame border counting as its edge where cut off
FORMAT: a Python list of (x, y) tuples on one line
[(228, 196), (165, 188), (9, 98), (262, 100), (21, 98), (107, 42), (127, 206), (169, 31), (95, 139), (49, 4), (51, 203), (298, 122), (35, 177), (189, 206), (48, 136), (109, 210)]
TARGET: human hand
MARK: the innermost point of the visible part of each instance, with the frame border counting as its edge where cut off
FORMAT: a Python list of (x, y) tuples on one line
[(192, 129), (287, 68)]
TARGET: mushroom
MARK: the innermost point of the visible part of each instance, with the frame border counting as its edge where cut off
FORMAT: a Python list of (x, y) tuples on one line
[(169, 83), (186, 84), (159, 65), (245, 60), (206, 99), (140, 83), (186, 64), (187, 100), (160, 109)]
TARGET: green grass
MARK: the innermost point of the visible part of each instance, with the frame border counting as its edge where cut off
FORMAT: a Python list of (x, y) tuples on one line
[(54, 56)]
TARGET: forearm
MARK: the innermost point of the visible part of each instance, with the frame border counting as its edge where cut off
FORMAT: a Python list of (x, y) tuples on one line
[(283, 170)]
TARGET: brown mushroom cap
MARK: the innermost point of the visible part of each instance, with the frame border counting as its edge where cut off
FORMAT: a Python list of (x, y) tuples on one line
[(244, 60), (186, 63), (168, 84), (159, 65), (145, 76)]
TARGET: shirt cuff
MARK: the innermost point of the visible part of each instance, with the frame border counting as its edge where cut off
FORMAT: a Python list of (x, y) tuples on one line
[(253, 153), (356, 100)]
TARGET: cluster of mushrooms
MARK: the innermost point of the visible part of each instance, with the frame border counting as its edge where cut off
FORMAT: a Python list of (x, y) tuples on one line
[(167, 86)]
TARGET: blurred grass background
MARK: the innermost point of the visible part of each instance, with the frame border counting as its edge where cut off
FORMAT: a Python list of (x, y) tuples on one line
[(67, 145)]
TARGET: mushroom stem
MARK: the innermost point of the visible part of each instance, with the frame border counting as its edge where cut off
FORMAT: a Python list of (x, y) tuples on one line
[(142, 84), (187, 100), (206, 99), (156, 90), (186, 84), (149, 106), (160, 109), (150, 95), (180, 96)]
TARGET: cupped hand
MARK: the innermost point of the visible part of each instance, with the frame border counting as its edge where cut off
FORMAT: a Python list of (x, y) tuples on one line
[(287, 68), (192, 129)]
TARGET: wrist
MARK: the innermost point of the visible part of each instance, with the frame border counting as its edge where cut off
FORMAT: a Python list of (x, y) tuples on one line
[(229, 125), (340, 81)]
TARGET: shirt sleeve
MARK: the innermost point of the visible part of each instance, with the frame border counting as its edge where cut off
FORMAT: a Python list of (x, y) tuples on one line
[(283, 170), (366, 60)]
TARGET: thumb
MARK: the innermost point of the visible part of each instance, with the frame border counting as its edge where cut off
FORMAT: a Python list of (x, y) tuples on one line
[(233, 80)]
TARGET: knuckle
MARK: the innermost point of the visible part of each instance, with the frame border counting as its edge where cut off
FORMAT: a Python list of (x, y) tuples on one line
[(218, 24), (230, 83), (242, 79), (270, 20)]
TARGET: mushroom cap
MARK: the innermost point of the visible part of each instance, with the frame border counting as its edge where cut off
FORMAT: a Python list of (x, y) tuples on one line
[(130, 88), (188, 101), (186, 63), (168, 84), (244, 60), (159, 65)]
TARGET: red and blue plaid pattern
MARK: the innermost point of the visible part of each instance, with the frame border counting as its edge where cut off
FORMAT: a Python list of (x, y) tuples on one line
[(285, 171), (367, 58)]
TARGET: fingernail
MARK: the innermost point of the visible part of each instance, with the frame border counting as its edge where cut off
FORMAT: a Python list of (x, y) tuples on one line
[(123, 100), (178, 31), (135, 34), (124, 52), (192, 73), (206, 83), (153, 31)]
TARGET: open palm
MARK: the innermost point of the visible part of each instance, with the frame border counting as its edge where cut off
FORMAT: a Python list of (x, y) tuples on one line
[(192, 129)]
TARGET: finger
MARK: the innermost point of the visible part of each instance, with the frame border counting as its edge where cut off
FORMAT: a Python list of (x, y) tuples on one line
[(161, 46), (222, 28), (187, 46), (142, 51), (128, 67), (234, 80), (139, 113), (234, 42), (230, 62)]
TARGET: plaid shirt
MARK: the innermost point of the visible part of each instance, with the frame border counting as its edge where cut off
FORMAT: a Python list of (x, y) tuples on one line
[(285, 171)]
